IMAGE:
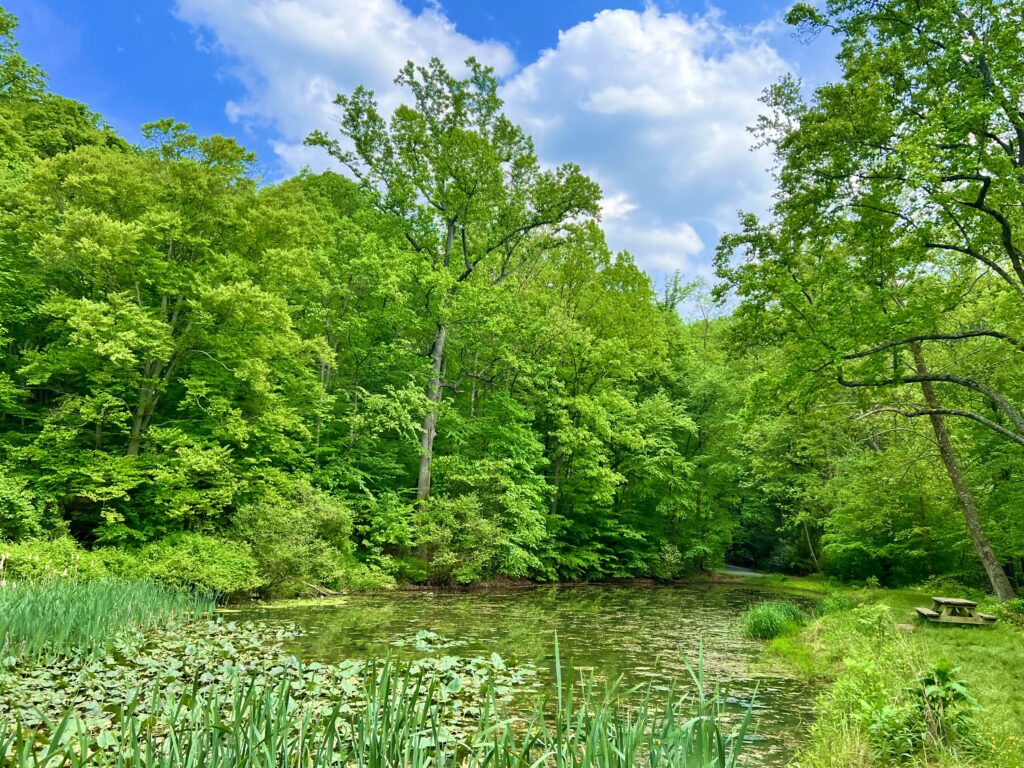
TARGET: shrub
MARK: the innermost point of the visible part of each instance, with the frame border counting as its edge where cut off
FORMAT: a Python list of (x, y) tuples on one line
[(770, 619), (1012, 611), (835, 603), (35, 559), (465, 545), (296, 541), (944, 705), (668, 564), (200, 562), (410, 569), (935, 711), (360, 576), (19, 518)]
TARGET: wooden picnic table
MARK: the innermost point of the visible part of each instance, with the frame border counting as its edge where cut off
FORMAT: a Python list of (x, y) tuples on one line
[(955, 610)]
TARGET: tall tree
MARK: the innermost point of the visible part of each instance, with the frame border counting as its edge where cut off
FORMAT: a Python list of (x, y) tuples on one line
[(900, 188), (467, 186)]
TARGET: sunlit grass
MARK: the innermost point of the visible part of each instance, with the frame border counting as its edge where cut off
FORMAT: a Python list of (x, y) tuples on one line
[(862, 652), (60, 617), (771, 619)]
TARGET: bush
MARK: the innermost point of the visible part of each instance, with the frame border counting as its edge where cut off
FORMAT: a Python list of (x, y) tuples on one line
[(835, 603), (203, 563), (934, 712), (410, 569), (771, 619), (36, 559), (19, 518), (359, 576), (668, 564), (1012, 611), (296, 541), (463, 544)]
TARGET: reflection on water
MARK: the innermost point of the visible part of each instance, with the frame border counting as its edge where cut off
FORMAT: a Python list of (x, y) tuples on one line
[(643, 633)]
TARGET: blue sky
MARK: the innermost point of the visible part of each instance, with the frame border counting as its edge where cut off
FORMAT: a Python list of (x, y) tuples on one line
[(651, 99)]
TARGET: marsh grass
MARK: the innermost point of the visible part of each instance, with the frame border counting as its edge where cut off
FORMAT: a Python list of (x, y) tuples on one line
[(400, 724), (61, 617), (769, 620)]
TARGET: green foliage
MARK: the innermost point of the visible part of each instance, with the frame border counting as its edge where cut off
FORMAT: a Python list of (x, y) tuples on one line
[(463, 542), (837, 602), (215, 693), (768, 620), (436, 369), (42, 559), (19, 517), (202, 563), (1012, 611), (894, 700), (65, 617), (947, 708), (297, 539)]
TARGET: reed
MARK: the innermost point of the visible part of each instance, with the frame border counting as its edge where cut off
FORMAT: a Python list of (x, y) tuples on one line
[(770, 619), (401, 725), (54, 618)]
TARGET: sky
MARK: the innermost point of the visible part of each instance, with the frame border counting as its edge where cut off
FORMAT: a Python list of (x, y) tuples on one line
[(652, 100)]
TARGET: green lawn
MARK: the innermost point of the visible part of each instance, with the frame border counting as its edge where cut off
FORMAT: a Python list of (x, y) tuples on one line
[(867, 659)]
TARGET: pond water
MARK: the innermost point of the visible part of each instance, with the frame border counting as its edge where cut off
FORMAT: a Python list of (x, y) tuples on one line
[(645, 634)]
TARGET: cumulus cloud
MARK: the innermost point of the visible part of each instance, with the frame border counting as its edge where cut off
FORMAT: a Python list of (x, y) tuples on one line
[(653, 104), (656, 105), (662, 249), (294, 56)]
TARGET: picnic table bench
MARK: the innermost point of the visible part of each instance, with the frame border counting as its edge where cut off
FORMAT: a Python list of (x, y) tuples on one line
[(955, 610)]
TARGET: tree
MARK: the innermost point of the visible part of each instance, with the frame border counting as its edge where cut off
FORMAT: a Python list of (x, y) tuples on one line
[(158, 367), (899, 200), (467, 186), (18, 78)]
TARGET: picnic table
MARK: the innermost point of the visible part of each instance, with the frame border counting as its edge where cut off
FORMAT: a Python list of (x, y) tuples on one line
[(955, 610)]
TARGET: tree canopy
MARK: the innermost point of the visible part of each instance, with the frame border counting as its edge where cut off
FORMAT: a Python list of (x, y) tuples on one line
[(429, 366)]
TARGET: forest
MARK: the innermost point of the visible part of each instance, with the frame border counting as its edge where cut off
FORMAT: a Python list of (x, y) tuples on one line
[(427, 366)]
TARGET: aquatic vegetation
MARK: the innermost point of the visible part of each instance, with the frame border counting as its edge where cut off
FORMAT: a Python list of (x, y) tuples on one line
[(61, 617), (770, 619), (425, 640), (225, 694)]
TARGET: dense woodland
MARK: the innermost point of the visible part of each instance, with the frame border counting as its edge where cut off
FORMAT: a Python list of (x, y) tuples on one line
[(428, 366)]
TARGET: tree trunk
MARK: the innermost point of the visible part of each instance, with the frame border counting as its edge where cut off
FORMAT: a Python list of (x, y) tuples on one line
[(810, 547), (140, 419), (434, 390), (996, 574), (556, 481)]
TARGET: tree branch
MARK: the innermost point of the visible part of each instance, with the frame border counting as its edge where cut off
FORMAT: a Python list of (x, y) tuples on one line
[(996, 398), (1019, 439), (935, 337)]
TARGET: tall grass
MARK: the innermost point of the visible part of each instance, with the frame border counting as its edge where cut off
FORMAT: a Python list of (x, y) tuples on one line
[(253, 724), (63, 617), (770, 619)]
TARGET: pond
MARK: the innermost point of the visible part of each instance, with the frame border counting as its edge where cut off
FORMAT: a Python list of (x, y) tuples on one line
[(644, 633)]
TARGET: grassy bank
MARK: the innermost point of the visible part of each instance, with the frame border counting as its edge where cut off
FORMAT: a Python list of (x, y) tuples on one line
[(901, 692)]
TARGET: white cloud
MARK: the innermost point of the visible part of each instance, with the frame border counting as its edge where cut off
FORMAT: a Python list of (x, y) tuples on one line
[(654, 105), (663, 249), (616, 207), (294, 56)]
